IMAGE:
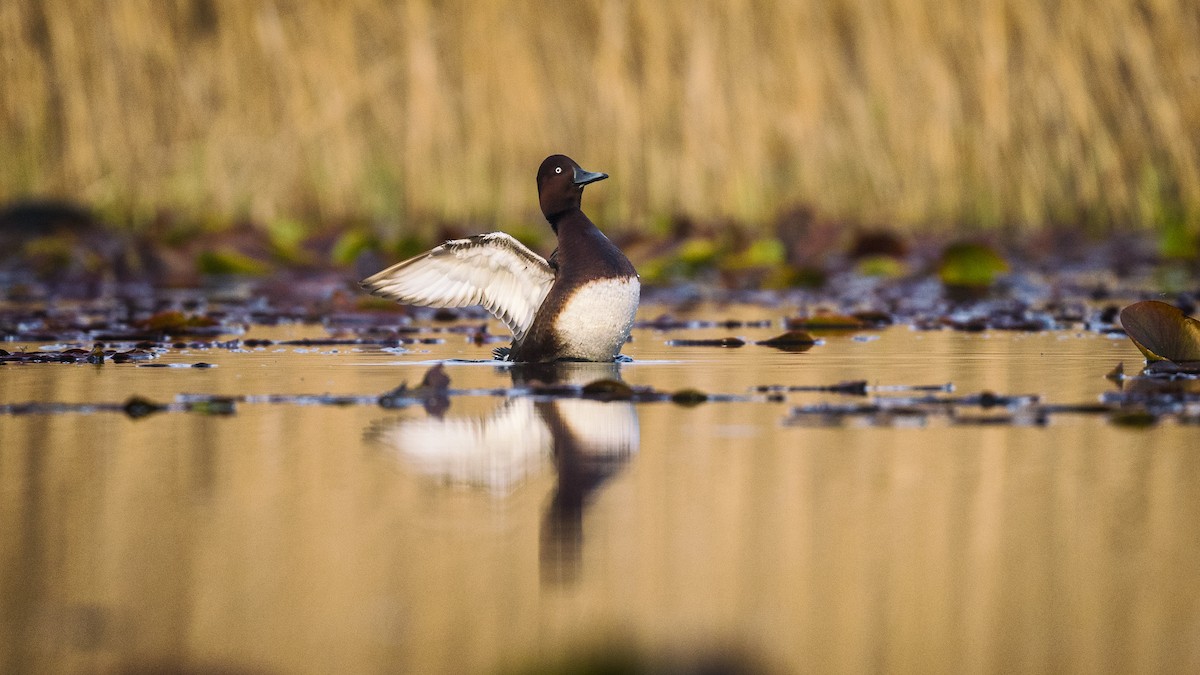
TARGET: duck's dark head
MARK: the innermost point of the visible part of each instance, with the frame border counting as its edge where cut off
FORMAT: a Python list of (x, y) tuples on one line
[(560, 184)]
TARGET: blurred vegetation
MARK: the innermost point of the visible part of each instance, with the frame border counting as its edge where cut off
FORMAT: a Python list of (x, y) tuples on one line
[(1005, 114)]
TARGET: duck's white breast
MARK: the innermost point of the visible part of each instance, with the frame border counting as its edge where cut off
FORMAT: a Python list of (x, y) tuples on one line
[(595, 321)]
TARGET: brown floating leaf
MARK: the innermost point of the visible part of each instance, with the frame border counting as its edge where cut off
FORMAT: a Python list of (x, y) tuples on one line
[(1161, 331)]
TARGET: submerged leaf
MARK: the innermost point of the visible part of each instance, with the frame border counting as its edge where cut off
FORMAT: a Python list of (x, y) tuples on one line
[(1161, 331)]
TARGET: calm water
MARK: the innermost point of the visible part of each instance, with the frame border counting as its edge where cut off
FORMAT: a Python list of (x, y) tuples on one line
[(314, 538)]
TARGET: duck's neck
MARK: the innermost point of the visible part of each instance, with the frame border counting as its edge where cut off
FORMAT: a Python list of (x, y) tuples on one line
[(584, 251), (572, 218)]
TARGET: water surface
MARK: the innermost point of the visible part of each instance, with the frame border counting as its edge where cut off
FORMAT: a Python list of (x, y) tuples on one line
[(291, 538)]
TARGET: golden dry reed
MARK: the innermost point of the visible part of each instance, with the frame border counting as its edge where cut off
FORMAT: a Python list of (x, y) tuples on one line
[(915, 113)]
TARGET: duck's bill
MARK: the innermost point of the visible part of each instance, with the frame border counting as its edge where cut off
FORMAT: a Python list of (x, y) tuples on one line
[(584, 177)]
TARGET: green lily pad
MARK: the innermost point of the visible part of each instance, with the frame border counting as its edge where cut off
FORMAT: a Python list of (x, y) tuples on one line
[(970, 265), (1162, 332), (882, 266), (767, 252)]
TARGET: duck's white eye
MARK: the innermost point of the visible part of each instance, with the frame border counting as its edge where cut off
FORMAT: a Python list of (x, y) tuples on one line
[(558, 169)]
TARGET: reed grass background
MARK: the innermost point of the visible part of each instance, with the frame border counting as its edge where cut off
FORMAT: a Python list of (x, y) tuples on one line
[(1011, 114)]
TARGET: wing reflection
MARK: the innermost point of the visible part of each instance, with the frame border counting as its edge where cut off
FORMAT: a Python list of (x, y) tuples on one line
[(585, 441)]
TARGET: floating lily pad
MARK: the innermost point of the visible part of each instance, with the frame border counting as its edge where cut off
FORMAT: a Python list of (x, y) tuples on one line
[(1162, 332), (970, 265), (882, 266), (766, 252)]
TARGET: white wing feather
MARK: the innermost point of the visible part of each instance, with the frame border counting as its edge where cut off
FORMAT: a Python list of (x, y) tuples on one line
[(492, 270)]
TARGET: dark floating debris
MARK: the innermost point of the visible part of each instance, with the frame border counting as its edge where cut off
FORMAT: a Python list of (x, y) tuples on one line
[(1075, 409), (714, 342), (133, 356), (874, 319), (665, 322), (873, 414), (347, 342), (1133, 418), (791, 341), (689, 397), (97, 355), (434, 393), (1146, 400), (138, 407), (853, 388), (213, 405), (990, 420), (608, 390), (825, 322)]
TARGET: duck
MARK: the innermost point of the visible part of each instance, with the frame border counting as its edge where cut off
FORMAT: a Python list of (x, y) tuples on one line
[(577, 305)]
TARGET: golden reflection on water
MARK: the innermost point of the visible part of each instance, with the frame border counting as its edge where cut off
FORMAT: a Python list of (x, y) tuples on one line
[(300, 539)]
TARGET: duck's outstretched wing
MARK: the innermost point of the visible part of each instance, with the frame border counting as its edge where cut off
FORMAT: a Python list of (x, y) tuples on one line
[(493, 270)]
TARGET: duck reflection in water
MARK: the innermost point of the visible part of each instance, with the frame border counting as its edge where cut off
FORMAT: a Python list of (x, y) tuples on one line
[(587, 442)]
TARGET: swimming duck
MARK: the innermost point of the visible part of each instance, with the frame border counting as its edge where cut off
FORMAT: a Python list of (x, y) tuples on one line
[(577, 306)]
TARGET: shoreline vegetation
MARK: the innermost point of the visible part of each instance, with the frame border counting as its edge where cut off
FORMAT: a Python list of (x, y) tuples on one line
[(408, 120)]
